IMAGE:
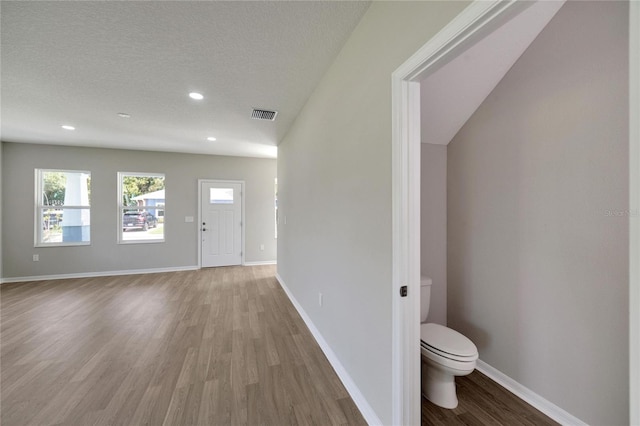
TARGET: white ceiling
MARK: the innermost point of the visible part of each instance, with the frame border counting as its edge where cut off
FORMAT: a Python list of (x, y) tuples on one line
[(81, 63), (450, 95)]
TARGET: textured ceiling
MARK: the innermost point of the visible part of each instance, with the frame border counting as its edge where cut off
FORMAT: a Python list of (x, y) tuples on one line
[(81, 63)]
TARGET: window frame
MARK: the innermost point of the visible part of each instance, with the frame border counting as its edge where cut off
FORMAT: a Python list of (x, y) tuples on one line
[(39, 207), (121, 209)]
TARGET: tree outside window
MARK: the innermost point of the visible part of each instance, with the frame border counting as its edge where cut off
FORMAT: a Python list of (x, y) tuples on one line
[(142, 207), (63, 209)]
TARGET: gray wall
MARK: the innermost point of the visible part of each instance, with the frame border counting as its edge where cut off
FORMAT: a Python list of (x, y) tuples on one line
[(334, 183), (1, 209), (537, 217), (433, 227), (104, 254)]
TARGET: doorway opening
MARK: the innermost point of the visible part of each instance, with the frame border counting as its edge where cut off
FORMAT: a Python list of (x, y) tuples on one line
[(478, 20)]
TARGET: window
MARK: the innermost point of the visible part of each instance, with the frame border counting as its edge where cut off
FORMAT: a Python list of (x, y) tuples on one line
[(63, 208), (220, 195), (141, 211)]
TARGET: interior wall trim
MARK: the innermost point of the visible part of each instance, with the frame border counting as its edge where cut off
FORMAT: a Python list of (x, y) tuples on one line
[(529, 396), (634, 210), (358, 398), (265, 262), (97, 274)]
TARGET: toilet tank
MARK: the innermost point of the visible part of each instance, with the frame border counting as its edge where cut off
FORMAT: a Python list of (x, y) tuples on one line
[(425, 297)]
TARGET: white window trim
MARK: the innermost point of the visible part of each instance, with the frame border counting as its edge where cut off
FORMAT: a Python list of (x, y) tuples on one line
[(38, 206), (121, 208)]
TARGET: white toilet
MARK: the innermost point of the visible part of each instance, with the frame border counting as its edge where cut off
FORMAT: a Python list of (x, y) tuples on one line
[(446, 354)]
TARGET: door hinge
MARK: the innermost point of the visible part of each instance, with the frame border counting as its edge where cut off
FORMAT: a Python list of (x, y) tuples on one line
[(403, 291)]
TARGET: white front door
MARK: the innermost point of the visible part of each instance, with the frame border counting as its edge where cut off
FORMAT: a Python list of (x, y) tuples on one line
[(221, 223)]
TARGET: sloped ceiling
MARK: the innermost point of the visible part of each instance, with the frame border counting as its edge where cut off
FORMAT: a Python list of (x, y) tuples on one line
[(450, 95)]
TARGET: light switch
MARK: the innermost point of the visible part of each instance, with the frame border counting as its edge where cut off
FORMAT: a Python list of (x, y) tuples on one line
[(188, 219)]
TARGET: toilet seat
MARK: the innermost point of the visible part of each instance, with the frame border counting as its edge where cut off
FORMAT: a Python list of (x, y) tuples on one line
[(461, 367), (426, 347), (447, 343)]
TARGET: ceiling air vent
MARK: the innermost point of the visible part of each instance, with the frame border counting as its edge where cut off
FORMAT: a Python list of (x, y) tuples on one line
[(263, 114)]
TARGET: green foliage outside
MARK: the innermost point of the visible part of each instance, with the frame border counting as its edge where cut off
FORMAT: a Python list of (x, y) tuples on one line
[(54, 188), (54, 184), (132, 186)]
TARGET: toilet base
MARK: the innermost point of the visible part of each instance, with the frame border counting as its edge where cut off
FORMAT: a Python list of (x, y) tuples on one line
[(439, 386)]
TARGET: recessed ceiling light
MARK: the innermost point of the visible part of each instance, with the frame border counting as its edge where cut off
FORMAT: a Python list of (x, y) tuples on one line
[(211, 139), (67, 127), (197, 96), (124, 115)]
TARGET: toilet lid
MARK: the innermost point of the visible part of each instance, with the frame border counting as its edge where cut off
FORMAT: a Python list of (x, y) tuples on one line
[(447, 340)]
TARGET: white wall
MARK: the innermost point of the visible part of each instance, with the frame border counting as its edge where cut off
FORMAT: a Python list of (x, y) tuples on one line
[(433, 227), (334, 181), (537, 217), (104, 254)]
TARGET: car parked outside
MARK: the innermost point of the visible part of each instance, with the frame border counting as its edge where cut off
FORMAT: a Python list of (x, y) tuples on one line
[(138, 220)]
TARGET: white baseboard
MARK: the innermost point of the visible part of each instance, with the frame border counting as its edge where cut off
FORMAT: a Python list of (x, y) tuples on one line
[(529, 396), (97, 274), (367, 412), (266, 262)]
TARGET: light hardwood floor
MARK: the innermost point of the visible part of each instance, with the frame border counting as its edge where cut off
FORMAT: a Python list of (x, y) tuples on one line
[(211, 347)]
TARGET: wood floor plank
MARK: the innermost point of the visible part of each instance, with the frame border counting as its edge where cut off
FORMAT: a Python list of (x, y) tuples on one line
[(483, 402), (216, 346)]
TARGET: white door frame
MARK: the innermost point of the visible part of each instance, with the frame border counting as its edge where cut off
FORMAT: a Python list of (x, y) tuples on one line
[(634, 205), (223, 182), (478, 19)]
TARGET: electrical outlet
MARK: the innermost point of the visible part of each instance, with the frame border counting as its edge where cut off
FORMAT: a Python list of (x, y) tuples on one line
[(319, 299), (36, 257), (261, 247)]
